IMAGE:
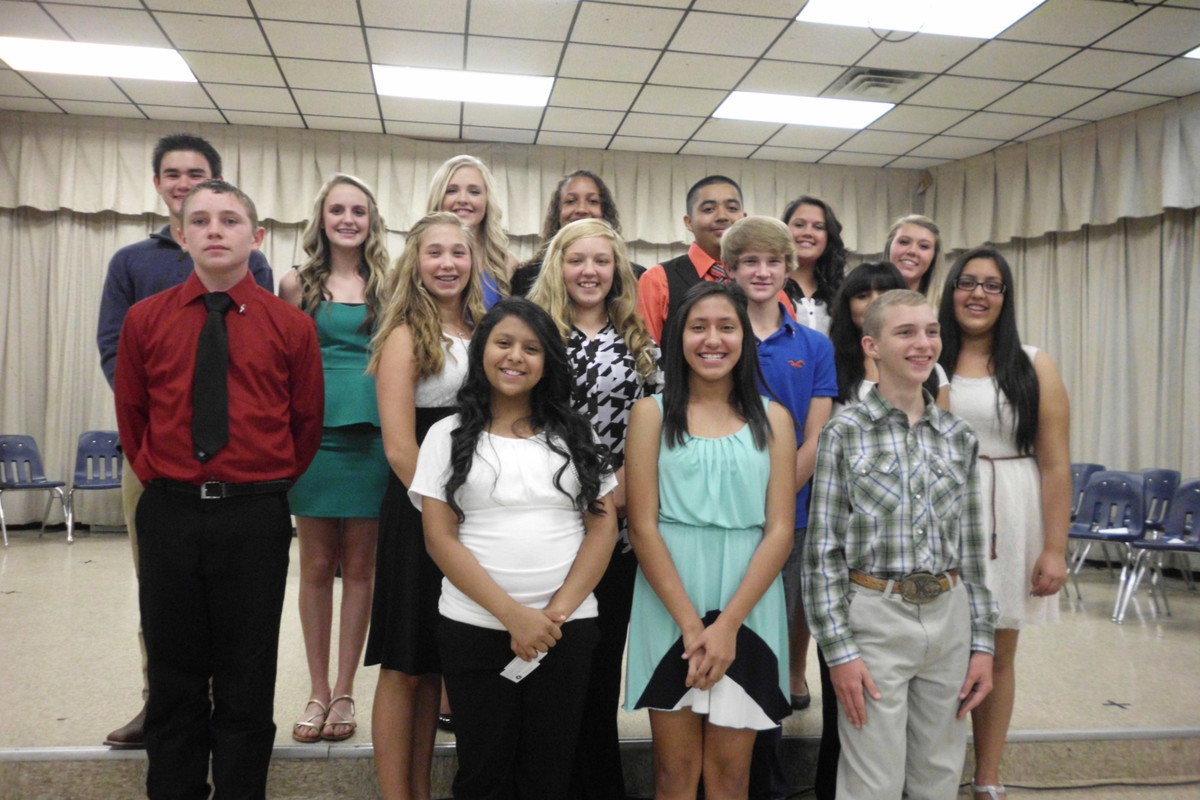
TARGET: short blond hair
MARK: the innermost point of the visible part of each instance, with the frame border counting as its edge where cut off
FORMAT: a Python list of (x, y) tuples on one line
[(873, 319), (757, 233)]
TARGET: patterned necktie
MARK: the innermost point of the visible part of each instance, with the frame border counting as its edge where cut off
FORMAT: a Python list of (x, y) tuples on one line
[(210, 386), (719, 271)]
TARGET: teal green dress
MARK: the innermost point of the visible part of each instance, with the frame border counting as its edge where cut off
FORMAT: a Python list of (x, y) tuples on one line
[(349, 474), (712, 507)]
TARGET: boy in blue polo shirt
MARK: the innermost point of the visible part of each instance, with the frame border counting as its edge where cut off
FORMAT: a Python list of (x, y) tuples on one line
[(798, 368)]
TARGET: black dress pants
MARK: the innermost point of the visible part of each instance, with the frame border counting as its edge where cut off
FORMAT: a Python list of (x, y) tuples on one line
[(831, 744), (211, 595), (516, 741)]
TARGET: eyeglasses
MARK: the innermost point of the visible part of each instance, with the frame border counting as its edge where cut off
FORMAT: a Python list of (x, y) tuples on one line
[(968, 284)]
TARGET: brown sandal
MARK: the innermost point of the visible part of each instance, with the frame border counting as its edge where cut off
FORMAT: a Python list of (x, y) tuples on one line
[(343, 721), (312, 722)]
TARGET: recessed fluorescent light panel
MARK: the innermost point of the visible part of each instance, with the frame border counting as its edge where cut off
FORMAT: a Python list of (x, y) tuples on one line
[(788, 109), (948, 17), (1194, 54), (463, 86), (102, 60)]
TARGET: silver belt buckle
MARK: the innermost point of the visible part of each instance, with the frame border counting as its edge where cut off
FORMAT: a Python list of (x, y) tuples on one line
[(920, 588), (212, 490)]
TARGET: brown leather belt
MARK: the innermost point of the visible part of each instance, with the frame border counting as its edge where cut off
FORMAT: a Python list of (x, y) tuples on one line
[(918, 588)]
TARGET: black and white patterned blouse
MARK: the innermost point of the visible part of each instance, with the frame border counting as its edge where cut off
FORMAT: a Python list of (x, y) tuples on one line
[(606, 385)]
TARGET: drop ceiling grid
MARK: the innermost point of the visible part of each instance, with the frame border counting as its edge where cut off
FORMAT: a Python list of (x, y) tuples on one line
[(623, 70)]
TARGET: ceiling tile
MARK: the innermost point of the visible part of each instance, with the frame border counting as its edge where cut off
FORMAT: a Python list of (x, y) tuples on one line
[(77, 87), (214, 34), (446, 16), (810, 136), (825, 44), (1178, 78), (95, 109), (790, 77), (251, 98), (1044, 99), (529, 19), (955, 147), (951, 92), (108, 25), (341, 12), (344, 124), (885, 142), (676, 100), (1114, 103), (653, 125), (233, 68), (233, 8), (336, 104), (1017, 61), (1170, 31), (407, 108), (344, 76), (307, 40), (654, 3), (560, 139), (183, 114), (107, 3), (989, 125), (13, 84), (593, 94), (427, 130), (512, 56), (633, 26), (919, 119), (29, 20), (607, 63), (701, 70), (924, 52), (847, 159), (1053, 126), (264, 118), (28, 104), (721, 149), (165, 93), (1078, 22), (496, 116), (645, 145), (784, 9), (415, 48), (915, 162), (736, 131), (576, 120), (513, 135), (1103, 69), (789, 154), (738, 35)]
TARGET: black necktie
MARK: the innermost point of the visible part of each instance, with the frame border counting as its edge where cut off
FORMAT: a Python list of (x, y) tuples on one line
[(210, 386)]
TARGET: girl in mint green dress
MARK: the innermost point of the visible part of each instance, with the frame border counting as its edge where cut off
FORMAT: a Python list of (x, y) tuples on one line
[(710, 470)]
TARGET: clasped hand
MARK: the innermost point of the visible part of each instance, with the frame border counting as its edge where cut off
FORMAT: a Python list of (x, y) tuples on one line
[(533, 630), (709, 652)]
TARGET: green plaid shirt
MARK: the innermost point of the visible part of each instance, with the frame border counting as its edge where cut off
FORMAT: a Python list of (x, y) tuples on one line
[(891, 499)]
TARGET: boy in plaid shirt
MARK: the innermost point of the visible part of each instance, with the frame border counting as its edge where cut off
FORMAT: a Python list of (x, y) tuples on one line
[(893, 569)]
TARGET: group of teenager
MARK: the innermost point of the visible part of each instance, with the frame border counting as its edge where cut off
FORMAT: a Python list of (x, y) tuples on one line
[(522, 471)]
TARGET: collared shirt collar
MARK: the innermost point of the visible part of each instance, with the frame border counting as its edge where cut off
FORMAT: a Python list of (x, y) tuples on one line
[(165, 238), (878, 407), (789, 324), (242, 292), (701, 260)]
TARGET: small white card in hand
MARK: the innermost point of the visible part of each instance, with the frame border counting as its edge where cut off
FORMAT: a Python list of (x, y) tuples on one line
[(519, 668)]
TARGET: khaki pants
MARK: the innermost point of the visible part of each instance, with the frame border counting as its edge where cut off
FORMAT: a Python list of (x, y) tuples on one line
[(912, 745), (131, 492)]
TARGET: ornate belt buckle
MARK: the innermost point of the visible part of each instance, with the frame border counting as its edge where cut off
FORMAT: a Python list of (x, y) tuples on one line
[(920, 588)]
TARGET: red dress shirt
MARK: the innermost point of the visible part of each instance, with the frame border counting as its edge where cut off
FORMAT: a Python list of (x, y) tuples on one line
[(276, 386)]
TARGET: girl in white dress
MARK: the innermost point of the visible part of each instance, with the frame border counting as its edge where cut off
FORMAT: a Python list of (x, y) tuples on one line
[(1015, 399)]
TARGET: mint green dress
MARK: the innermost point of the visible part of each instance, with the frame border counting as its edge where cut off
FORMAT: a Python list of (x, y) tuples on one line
[(712, 507)]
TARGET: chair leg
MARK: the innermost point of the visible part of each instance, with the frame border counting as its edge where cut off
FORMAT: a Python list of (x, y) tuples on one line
[(1129, 586), (3, 522), (46, 512), (1161, 584), (68, 501)]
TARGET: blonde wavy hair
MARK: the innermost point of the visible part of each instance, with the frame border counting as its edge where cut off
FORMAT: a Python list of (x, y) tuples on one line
[(374, 265), (491, 238), (550, 291), (412, 305)]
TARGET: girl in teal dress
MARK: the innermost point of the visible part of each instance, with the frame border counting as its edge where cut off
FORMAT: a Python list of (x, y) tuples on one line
[(336, 502), (710, 469)]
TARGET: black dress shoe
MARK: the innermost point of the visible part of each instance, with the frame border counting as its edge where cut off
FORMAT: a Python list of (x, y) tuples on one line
[(446, 723), (131, 735), (801, 701)]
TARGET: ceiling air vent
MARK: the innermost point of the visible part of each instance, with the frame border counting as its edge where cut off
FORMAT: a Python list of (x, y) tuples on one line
[(881, 85)]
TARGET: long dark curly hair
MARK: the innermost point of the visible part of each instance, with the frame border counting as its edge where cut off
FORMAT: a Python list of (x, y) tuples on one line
[(831, 264), (568, 433)]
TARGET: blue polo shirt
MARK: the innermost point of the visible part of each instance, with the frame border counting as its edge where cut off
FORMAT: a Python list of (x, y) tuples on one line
[(797, 364)]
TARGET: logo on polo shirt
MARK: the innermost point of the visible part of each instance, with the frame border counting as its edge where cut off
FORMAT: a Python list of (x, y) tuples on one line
[(797, 363)]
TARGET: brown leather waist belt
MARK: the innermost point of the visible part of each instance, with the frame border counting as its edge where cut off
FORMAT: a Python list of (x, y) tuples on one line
[(918, 588)]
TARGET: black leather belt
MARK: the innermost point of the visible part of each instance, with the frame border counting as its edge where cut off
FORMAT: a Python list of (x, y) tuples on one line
[(216, 490)]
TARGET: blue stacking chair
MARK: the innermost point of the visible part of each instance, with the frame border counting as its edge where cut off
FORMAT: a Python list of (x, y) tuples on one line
[(21, 470), (1112, 511), (1159, 489), (98, 465), (1080, 473), (1179, 532)]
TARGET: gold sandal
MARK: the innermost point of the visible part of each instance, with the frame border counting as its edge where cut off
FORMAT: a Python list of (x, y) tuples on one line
[(344, 721), (313, 722)]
